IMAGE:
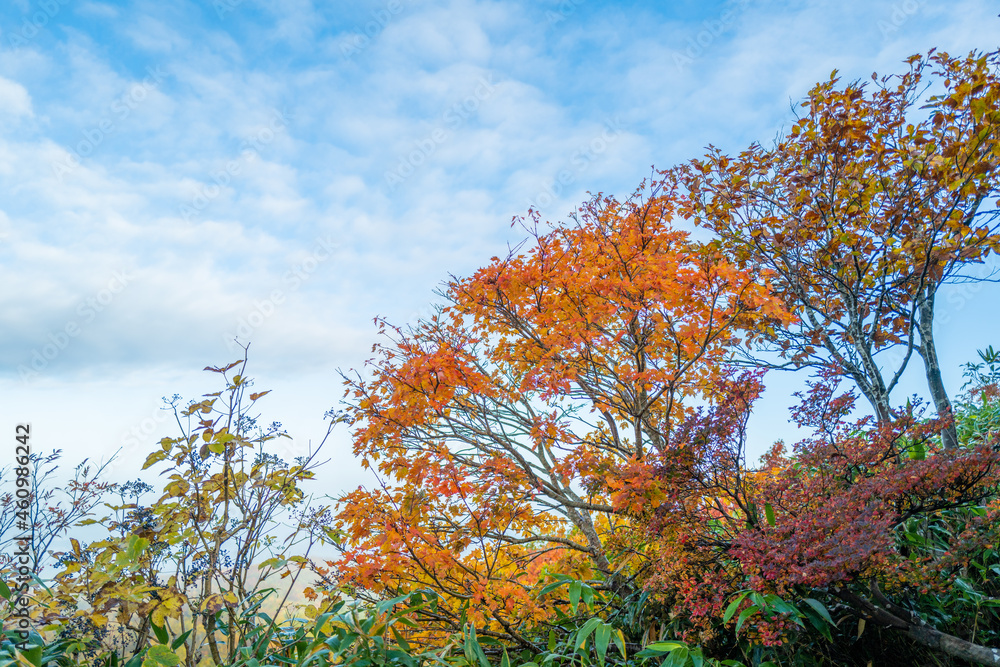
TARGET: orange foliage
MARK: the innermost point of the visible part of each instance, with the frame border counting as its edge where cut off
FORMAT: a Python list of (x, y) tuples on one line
[(500, 425)]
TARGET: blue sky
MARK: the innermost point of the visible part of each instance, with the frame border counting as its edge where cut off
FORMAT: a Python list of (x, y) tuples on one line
[(175, 174)]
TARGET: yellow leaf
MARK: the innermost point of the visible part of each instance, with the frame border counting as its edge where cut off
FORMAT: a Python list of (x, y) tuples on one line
[(153, 458)]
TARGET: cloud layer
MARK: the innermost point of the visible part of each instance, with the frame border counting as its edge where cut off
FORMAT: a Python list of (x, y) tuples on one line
[(176, 175)]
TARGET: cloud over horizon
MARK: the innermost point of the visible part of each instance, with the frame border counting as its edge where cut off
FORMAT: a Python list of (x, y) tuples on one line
[(178, 174)]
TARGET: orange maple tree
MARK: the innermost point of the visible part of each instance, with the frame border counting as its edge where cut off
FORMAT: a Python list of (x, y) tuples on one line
[(502, 426)]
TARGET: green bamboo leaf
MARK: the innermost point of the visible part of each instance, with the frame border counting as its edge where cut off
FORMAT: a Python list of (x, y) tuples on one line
[(656, 649), (744, 615), (473, 651), (774, 603), (403, 644), (817, 622), (602, 637), (678, 657), (619, 638), (820, 609), (548, 588), (585, 631), (574, 596), (733, 606), (588, 595)]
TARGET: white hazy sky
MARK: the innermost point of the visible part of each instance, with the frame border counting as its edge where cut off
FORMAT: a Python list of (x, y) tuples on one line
[(174, 174)]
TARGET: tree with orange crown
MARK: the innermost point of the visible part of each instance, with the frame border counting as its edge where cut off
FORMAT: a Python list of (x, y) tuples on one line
[(501, 427)]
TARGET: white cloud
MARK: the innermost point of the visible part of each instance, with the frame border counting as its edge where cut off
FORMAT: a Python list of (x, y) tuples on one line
[(14, 99), (540, 132)]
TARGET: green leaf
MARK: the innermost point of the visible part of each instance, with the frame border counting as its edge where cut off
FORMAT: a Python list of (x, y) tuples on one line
[(619, 638), (678, 657), (177, 643), (548, 588), (585, 631), (34, 655), (657, 648), (160, 656), (136, 545), (473, 651), (774, 603), (744, 615), (387, 605), (161, 633), (574, 596), (403, 644), (733, 606), (821, 625), (4, 591), (588, 595), (918, 452), (820, 609), (37, 580), (602, 637), (769, 514)]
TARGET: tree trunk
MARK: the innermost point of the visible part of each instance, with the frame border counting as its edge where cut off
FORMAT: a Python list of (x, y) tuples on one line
[(953, 646), (891, 615), (925, 325), (213, 645), (582, 520)]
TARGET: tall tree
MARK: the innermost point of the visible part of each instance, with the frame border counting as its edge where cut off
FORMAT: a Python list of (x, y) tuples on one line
[(876, 198), (495, 424)]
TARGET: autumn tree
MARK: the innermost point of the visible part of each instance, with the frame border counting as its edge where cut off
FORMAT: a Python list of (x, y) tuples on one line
[(192, 563), (876, 198), (494, 424), (46, 511), (872, 517)]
